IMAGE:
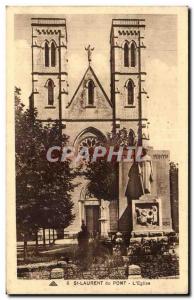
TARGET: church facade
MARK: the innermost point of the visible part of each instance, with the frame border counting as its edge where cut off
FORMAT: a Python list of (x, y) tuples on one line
[(90, 114)]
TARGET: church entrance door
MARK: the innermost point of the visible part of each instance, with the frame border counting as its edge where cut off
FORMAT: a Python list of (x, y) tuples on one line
[(92, 213)]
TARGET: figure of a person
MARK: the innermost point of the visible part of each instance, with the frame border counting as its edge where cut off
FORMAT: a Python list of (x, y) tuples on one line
[(149, 217), (85, 235), (141, 216), (146, 172), (83, 246), (83, 226), (155, 214), (83, 239)]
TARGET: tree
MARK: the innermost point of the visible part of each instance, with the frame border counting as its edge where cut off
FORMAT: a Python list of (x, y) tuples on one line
[(103, 175), (43, 188), (103, 183)]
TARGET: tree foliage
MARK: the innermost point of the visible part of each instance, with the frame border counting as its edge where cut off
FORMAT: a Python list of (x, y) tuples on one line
[(43, 188), (104, 175), (103, 179)]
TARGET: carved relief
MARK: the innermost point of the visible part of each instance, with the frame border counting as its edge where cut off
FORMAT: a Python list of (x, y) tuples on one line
[(147, 216)]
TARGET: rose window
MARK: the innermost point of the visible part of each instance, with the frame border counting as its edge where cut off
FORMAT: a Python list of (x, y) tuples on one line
[(89, 143)]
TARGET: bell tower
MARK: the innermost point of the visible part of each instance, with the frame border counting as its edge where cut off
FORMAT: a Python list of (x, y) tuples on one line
[(49, 68), (128, 76)]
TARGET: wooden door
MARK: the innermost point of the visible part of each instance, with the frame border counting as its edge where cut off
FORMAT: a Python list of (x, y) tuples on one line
[(92, 218)]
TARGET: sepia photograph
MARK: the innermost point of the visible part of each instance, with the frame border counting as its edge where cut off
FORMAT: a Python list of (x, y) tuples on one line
[(98, 181)]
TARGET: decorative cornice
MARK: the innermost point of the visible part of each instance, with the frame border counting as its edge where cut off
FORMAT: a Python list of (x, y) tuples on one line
[(128, 32)]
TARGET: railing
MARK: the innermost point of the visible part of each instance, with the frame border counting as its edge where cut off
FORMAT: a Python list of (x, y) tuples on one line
[(128, 22), (48, 21)]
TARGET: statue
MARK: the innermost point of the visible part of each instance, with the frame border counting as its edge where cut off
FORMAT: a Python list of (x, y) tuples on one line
[(89, 50), (146, 172), (131, 137)]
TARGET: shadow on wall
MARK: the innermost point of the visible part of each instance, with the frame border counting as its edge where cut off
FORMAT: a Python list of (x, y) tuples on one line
[(133, 191)]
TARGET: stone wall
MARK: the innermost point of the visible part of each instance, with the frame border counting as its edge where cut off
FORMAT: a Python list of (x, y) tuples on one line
[(149, 267), (161, 184)]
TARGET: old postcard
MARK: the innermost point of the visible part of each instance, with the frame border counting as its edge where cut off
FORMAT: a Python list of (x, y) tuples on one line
[(97, 150)]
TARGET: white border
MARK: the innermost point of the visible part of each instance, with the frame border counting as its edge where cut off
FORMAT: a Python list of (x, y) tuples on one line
[(3, 95)]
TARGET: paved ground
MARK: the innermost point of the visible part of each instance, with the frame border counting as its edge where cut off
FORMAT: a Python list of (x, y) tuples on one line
[(45, 253), (57, 242)]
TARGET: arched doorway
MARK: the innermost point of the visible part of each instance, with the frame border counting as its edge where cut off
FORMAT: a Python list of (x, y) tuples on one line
[(94, 212)]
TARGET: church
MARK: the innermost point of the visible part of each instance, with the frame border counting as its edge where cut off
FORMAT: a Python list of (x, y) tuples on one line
[(90, 114)]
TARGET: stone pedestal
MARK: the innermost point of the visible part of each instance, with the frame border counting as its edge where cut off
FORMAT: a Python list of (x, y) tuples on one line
[(147, 217), (103, 227), (57, 273), (134, 272), (104, 218), (62, 263)]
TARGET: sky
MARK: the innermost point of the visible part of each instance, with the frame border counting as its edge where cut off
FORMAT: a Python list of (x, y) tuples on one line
[(160, 64)]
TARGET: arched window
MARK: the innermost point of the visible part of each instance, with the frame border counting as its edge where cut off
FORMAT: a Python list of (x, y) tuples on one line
[(90, 93), (133, 54), (50, 92), (126, 55), (46, 54), (130, 92), (53, 55)]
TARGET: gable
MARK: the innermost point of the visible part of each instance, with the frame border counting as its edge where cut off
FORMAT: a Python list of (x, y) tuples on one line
[(79, 106)]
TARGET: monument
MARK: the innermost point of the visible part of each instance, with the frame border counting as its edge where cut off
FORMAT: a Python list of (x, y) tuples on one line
[(145, 196)]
